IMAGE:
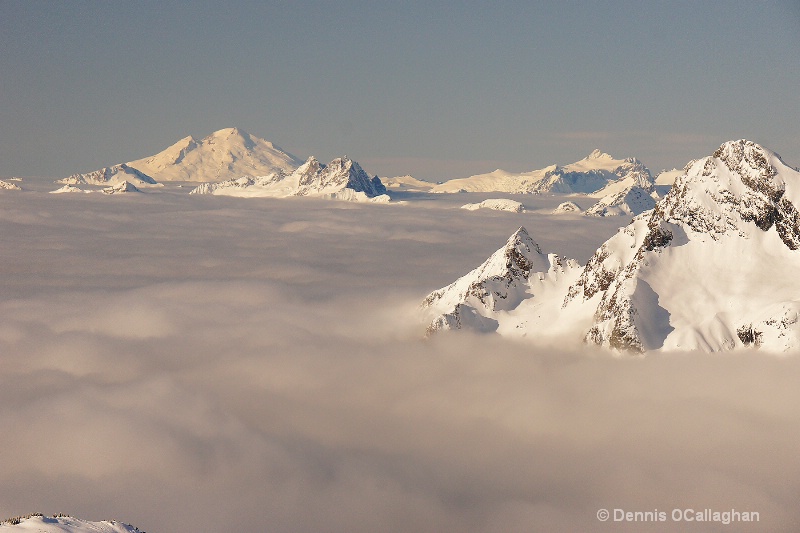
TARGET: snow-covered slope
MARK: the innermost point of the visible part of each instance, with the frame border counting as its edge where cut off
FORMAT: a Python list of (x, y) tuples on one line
[(120, 188), (566, 208), (67, 189), (341, 179), (632, 200), (64, 524), (711, 267), (497, 204), (225, 154), (668, 177), (407, 184), (588, 175), (113, 175), (515, 272)]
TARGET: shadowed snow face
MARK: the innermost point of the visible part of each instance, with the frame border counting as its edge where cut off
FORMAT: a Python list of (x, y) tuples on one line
[(212, 364)]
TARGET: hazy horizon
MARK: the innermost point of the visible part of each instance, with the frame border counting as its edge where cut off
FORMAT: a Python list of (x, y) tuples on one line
[(431, 90)]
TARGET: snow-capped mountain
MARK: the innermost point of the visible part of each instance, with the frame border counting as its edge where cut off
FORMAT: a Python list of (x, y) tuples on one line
[(64, 524), (497, 204), (566, 207), (113, 175), (341, 179), (712, 266), (630, 201), (588, 175), (120, 188), (225, 154), (67, 189), (478, 299), (407, 184)]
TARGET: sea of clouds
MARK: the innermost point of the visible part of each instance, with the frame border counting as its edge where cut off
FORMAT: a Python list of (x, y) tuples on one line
[(217, 364)]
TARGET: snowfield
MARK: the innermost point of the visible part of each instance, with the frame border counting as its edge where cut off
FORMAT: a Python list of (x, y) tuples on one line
[(497, 204)]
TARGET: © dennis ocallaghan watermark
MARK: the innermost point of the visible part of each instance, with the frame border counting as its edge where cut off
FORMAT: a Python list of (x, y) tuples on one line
[(678, 515)]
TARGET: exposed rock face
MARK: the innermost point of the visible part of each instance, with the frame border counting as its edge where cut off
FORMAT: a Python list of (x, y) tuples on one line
[(716, 197), (708, 203), (711, 266), (341, 173), (500, 283)]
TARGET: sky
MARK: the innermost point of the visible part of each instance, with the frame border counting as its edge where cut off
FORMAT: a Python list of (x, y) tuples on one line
[(192, 363), (438, 90)]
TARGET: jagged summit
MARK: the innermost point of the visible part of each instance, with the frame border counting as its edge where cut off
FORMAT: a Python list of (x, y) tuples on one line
[(499, 284), (341, 173), (710, 267), (597, 154), (225, 154), (341, 179)]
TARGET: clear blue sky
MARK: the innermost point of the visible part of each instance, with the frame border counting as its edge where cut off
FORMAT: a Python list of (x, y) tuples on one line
[(438, 90)]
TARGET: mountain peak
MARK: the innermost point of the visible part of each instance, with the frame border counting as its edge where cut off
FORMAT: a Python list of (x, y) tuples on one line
[(227, 132), (597, 154), (228, 153), (499, 284)]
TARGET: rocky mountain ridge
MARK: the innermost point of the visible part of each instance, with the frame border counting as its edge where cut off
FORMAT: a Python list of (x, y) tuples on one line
[(589, 175), (342, 179), (709, 267)]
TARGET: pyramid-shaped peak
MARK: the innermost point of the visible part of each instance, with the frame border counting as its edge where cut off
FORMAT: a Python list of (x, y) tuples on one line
[(312, 164), (520, 234), (522, 243)]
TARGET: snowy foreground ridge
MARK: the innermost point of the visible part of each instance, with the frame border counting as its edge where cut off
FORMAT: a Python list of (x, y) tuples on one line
[(64, 524), (711, 266)]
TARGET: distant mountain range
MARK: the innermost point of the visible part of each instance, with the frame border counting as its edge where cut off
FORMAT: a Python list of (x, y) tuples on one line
[(589, 175), (234, 163), (712, 267)]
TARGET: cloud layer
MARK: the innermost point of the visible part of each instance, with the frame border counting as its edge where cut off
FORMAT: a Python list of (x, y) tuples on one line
[(189, 364)]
